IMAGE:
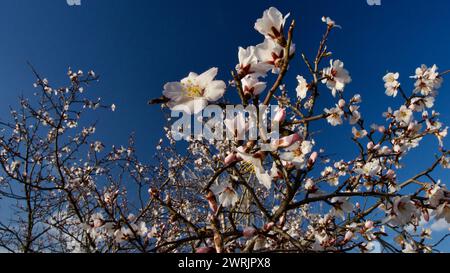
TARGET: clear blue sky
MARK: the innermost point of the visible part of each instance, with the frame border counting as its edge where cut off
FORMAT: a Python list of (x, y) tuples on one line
[(137, 46)]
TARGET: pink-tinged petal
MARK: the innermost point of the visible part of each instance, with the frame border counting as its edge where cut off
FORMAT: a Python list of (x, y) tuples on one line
[(288, 141), (173, 90), (231, 158)]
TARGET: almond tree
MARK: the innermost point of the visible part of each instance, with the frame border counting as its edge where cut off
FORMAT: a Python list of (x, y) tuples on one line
[(276, 193)]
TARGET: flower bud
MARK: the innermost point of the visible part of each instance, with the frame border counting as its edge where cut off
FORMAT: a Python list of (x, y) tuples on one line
[(205, 250), (280, 116), (218, 242), (356, 98), (312, 159), (269, 226), (341, 103), (231, 158), (287, 141), (212, 201), (250, 232), (348, 236), (368, 225)]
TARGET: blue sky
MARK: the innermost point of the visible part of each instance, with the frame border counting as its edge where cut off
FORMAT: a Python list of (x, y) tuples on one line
[(137, 46)]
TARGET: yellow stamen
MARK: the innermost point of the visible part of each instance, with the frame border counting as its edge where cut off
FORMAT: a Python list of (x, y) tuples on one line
[(192, 90)]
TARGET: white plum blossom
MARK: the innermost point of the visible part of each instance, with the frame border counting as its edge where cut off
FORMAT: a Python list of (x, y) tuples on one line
[(436, 194), (336, 76), (421, 104), (443, 212), (192, 94), (271, 24), (370, 169), (355, 115), (404, 115), (358, 134), (271, 53), (391, 84), (249, 63), (227, 195), (402, 211), (256, 162), (428, 80), (296, 154), (252, 86), (341, 206), (302, 87), (334, 115)]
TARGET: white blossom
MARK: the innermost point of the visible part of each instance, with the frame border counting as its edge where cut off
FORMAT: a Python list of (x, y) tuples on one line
[(334, 116), (257, 164), (302, 87), (404, 115), (252, 86), (227, 195), (271, 24), (428, 80), (358, 134), (192, 94), (336, 76), (249, 63), (391, 84)]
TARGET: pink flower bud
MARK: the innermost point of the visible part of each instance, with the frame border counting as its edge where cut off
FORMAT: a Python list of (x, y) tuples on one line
[(205, 250), (312, 159), (280, 116), (269, 226), (382, 129), (370, 145), (287, 141), (212, 201), (368, 225), (231, 158), (341, 103), (348, 236), (250, 232)]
